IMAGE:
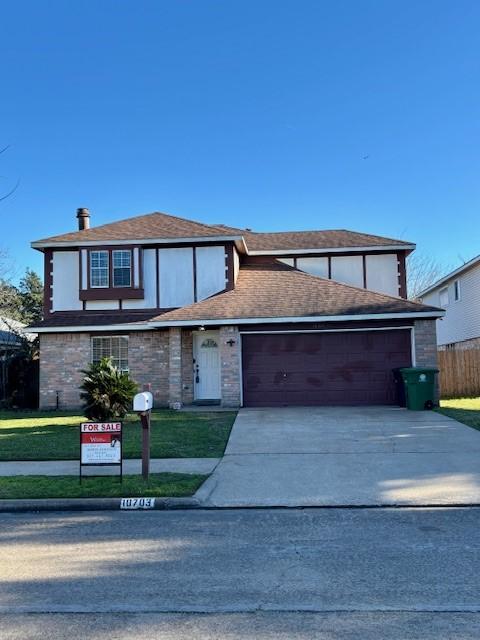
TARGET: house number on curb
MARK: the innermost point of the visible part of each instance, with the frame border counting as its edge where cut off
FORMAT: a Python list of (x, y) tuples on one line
[(137, 503)]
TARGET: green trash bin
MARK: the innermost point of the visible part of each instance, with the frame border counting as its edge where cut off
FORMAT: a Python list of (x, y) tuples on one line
[(419, 387)]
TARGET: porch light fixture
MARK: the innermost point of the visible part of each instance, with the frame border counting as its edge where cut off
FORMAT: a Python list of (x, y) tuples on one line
[(202, 328), (230, 342)]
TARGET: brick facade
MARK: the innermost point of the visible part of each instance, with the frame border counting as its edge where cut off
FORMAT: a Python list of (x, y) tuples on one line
[(62, 357), (175, 367), (230, 366), (425, 343), (165, 359), (148, 362), (187, 366), (426, 347)]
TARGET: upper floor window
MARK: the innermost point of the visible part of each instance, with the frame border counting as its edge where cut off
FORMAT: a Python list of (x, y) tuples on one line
[(444, 297), (99, 276), (122, 268), (456, 289)]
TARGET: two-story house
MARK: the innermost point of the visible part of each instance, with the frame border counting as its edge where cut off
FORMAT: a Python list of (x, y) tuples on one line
[(459, 294), (215, 314)]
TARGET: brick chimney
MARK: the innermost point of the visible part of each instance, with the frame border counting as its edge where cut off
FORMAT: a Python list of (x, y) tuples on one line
[(83, 216)]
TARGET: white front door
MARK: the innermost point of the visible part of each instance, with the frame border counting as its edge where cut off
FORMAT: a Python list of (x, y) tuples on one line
[(206, 366)]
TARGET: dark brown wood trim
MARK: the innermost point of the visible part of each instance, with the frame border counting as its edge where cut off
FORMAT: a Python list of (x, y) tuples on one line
[(329, 258), (334, 254), (194, 259), (229, 273), (157, 276), (79, 270), (364, 266), (104, 293), (48, 282), (120, 304), (402, 274), (110, 269), (140, 266)]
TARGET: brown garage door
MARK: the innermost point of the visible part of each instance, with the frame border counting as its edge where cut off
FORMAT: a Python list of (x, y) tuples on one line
[(344, 368)]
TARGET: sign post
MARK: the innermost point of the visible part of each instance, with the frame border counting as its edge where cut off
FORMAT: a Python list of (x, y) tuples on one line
[(142, 404), (101, 445)]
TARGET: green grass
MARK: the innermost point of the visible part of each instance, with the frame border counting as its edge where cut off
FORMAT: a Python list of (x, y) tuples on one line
[(159, 485), (55, 436), (466, 410)]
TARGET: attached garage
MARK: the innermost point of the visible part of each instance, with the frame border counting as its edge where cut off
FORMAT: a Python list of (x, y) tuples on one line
[(324, 368)]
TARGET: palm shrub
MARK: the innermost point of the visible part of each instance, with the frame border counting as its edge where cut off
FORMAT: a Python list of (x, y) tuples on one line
[(107, 392)]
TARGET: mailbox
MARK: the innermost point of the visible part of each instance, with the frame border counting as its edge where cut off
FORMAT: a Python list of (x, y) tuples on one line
[(143, 401)]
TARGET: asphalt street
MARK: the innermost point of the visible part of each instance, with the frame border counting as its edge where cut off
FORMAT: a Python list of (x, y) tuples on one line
[(326, 573)]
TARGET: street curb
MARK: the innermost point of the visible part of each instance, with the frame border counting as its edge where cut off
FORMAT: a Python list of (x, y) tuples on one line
[(90, 504)]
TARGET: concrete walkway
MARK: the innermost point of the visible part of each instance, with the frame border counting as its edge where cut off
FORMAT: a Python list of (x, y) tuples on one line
[(341, 456), (130, 467)]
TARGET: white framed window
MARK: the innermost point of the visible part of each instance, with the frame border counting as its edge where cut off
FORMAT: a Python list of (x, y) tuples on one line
[(99, 269), (444, 297), (456, 290), (114, 347), (122, 268)]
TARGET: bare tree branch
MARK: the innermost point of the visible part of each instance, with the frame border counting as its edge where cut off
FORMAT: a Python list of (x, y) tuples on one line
[(422, 271)]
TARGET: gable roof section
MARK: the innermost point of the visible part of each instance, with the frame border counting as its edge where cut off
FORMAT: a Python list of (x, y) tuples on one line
[(162, 226), (274, 290)]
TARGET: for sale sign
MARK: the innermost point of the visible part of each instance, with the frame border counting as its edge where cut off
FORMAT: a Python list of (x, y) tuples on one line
[(100, 443)]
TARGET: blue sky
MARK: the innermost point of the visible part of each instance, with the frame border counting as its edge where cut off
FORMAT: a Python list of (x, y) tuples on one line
[(266, 114)]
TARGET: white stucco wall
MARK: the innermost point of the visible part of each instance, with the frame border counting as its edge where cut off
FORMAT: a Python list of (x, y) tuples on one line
[(175, 267), (348, 269), (382, 273), (210, 270), (149, 300), (65, 269)]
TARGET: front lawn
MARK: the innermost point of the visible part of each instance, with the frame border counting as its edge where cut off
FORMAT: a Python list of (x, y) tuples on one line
[(466, 410), (55, 435), (159, 485)]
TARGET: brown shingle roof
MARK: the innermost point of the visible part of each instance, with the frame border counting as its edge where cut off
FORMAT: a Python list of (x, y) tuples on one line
[(95, 318), (165, 226), (275, 290), (150, 225)]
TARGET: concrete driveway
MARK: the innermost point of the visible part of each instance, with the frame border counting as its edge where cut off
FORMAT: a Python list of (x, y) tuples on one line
[(340, 456)]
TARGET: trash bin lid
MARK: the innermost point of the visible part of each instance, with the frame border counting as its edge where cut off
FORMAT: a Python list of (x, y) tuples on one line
[(419, 370)]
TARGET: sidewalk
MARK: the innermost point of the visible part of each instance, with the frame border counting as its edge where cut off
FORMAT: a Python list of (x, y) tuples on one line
[(130, 467)]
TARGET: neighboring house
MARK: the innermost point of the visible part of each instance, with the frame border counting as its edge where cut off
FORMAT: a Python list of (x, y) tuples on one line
[(459, 294), (210, 313), (11, 336)]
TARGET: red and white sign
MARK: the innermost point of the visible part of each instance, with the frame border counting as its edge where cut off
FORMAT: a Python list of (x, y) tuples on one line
[(101, 442)]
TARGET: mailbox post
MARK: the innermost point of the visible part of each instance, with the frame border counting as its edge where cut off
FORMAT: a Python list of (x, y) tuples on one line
[(142, 404)]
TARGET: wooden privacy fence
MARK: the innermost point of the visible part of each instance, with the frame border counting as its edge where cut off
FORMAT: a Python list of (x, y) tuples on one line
[(459, 373)]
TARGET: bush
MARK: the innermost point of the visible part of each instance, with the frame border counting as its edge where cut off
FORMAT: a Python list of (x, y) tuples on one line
[(107, 392)]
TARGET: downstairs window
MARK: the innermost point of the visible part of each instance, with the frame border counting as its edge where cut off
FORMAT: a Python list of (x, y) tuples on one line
[(114, 347)]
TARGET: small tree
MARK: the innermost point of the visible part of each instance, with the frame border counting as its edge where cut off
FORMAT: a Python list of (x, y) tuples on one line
[(107, 392)]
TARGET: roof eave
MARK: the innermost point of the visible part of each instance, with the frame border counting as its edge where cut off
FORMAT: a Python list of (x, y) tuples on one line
[(287, 319), (360, 249), (46, 244)]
